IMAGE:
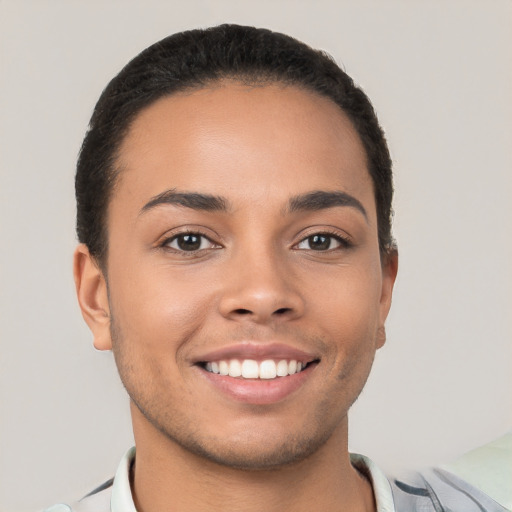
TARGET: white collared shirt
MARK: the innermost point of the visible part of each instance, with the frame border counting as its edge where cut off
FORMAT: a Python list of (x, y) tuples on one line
[(117, 497), (436, 489)]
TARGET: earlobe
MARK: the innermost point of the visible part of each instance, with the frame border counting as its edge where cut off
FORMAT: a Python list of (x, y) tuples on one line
[(389, 272), (381, 336), (91, 290)]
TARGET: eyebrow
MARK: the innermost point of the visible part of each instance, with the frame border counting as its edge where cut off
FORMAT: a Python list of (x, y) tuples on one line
[(310, 201), (194, 200), (320, 200)]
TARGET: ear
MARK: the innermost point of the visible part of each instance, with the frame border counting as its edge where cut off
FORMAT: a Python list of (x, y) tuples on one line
[(91, 290), (389, 270)]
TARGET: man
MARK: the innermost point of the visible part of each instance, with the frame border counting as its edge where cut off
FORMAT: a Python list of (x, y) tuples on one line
[(234, 201)]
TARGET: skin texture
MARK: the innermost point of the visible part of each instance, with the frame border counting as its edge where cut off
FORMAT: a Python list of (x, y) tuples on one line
[(256, 278)]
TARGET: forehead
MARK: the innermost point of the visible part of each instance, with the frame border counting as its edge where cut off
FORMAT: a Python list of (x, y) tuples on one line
[(252, 143)]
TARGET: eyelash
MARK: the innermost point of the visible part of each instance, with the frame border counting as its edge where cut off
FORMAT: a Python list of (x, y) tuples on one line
[(344, 242), (165, 244)]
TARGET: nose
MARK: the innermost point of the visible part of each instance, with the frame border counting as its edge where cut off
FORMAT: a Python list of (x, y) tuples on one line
[(260, 288)]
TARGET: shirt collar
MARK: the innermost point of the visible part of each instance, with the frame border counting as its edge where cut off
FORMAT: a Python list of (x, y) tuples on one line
[(122, 500), (380, 484)]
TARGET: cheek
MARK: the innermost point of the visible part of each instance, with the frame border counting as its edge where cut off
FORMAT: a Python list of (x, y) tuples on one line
[(348, 298), (349, 313), (157, 312)]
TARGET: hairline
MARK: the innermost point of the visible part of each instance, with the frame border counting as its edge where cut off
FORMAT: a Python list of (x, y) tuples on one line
[(249, 79)]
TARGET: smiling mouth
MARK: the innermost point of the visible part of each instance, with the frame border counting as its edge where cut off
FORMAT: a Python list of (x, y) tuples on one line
[(267, 369)]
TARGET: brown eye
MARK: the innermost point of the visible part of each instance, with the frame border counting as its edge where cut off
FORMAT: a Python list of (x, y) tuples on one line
[(321, 242), (189, 242)]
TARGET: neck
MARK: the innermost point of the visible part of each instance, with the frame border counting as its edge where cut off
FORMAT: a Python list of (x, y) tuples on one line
[(167, 477)]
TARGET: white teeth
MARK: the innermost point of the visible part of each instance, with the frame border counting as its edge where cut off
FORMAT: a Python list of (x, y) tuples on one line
[(251, 369), (235, 368), (282, 368), (268, 369), (223, 368)]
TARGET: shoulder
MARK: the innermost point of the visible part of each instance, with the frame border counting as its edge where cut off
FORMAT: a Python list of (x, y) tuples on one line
[(439, 490), (431, 490), (114, 495), (97, 500)]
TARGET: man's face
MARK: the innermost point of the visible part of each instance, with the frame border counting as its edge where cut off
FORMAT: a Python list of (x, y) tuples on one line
[(243, 237)]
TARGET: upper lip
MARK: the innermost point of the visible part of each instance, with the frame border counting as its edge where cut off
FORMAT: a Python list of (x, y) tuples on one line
[(257, 351)]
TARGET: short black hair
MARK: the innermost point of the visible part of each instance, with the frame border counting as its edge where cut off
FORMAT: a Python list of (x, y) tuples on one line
[(195, 59)]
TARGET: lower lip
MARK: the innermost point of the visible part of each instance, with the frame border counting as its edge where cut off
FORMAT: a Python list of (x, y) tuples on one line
[(259, 391)]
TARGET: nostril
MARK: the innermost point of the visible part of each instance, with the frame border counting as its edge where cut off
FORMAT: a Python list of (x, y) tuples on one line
[(282, 311)]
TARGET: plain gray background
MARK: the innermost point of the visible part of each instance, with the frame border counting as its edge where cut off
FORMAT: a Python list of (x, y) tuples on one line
[(440, 77)]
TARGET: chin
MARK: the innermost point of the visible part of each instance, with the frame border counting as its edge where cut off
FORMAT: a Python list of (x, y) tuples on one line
[(255, 456), (257, 447)]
